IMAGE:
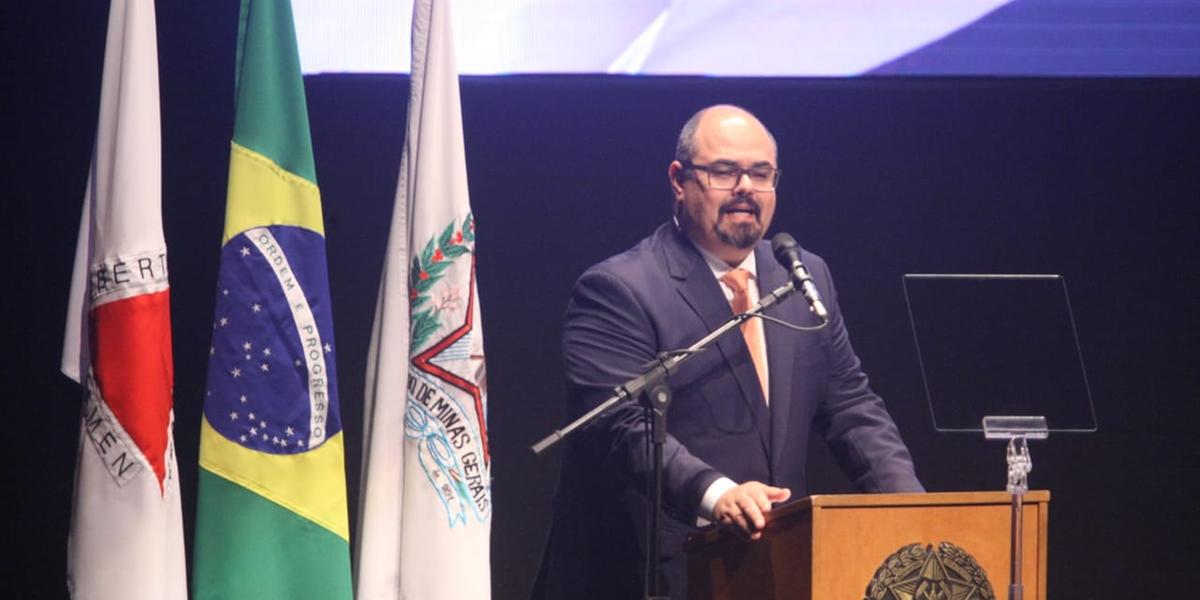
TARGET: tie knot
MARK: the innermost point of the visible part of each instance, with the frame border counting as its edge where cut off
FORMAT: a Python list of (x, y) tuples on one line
[(738, 280)]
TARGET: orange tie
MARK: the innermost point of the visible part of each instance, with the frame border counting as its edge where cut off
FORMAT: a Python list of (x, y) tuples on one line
[(738, 280)]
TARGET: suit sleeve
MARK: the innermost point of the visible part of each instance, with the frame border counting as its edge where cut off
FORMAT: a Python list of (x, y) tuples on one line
[(854, 420), (608, 338)]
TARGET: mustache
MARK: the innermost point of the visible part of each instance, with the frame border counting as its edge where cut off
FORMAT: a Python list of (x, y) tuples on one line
[(738, 204)]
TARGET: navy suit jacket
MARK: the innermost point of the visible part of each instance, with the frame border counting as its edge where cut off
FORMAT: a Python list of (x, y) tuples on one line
[(662, 295)]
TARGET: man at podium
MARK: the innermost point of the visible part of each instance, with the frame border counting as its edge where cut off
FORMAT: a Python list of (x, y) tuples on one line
[(742, 412)]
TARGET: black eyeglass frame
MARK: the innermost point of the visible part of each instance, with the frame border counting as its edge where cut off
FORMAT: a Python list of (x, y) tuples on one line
[(707, 169)]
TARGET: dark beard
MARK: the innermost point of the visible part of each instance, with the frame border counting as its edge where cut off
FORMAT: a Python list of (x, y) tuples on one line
[(743, 236)]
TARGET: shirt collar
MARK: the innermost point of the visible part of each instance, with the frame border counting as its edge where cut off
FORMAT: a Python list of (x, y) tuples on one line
[(720, 267)]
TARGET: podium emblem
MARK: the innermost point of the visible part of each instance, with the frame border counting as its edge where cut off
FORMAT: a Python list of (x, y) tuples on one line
[(918, 572)]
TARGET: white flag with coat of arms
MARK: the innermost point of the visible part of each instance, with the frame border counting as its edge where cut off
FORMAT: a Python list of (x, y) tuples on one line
[(425, 503)]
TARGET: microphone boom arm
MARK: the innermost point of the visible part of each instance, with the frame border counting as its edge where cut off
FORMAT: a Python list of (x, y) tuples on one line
[(662, 368)]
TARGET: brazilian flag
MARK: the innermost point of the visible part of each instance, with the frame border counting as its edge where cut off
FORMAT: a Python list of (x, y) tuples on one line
[(271, 513)]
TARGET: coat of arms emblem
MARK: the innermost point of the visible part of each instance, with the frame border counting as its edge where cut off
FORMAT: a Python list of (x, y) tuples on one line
[(918, 572)]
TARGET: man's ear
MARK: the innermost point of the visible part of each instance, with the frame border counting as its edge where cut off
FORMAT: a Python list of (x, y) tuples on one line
[(677, 175)]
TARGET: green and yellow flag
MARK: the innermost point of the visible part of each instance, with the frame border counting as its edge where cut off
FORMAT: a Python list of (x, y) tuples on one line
[(271, 514)]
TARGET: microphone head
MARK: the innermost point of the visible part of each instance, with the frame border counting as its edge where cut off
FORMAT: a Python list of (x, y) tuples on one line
[(784, 247)]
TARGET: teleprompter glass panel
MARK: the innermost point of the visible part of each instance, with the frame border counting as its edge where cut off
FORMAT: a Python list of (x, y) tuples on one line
[(994, 345)]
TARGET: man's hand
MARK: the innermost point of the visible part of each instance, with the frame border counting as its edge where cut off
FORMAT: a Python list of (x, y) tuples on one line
[(742, 507)]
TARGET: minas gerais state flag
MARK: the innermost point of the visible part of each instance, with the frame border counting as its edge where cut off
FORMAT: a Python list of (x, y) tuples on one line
[(126, 527)]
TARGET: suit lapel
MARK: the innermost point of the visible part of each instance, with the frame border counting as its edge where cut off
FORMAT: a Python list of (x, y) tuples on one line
[(702, 293), (781, 349)]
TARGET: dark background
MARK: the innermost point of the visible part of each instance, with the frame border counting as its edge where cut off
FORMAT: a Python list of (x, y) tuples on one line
[(1096, 179)]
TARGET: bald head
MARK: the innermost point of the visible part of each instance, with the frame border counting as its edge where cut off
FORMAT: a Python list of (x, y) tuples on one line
[(685, 146)]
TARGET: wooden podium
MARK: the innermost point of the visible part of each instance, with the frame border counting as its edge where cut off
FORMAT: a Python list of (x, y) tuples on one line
[(834, 547)]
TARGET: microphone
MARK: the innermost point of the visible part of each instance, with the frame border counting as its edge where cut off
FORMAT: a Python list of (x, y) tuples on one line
[(787, 252)]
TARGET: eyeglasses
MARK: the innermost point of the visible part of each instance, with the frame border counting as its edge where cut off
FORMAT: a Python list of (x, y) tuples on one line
[(723, 176)]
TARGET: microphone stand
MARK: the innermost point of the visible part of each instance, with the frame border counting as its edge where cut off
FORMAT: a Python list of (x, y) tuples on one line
[(656, 397)]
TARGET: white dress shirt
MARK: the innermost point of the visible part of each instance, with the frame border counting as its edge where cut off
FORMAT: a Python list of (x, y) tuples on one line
[(719, 268)]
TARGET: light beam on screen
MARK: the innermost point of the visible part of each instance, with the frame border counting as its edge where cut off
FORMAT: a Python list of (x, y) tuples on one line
[(775, 38), (801, 37), (631, 60), (687, 37)]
